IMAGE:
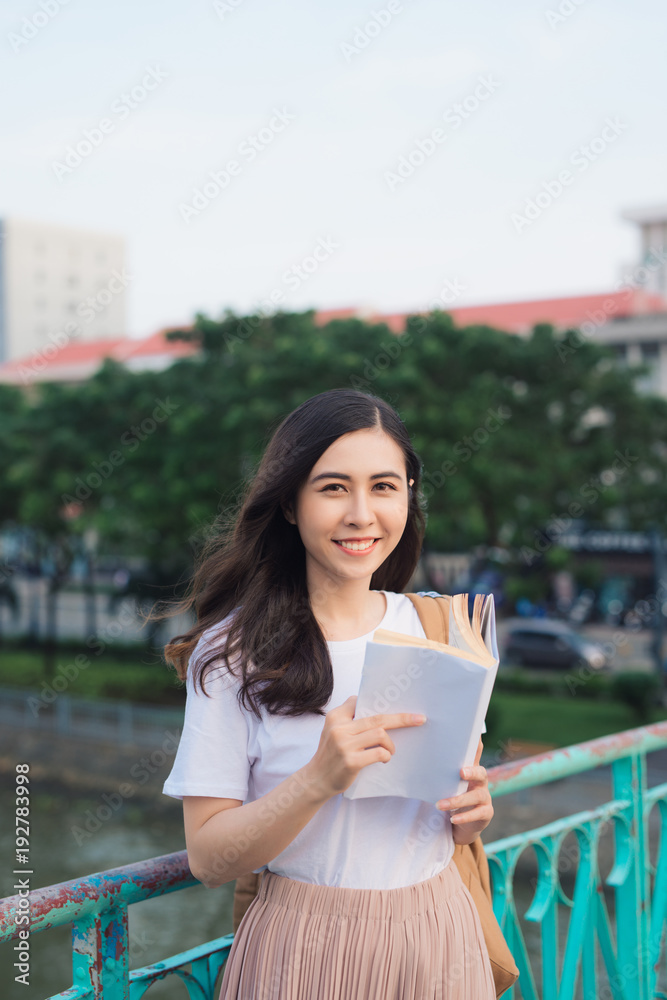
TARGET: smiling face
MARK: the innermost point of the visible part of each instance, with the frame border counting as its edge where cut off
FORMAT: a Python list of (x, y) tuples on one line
[(353, 507)]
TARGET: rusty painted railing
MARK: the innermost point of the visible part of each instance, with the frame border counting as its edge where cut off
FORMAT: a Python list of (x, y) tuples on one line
[(590, 958)]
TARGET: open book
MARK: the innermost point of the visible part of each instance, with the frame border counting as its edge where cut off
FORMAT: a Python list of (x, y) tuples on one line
[(450, 683)]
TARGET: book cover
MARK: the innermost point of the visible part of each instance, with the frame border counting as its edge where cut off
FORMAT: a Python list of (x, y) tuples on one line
[(450, 684)]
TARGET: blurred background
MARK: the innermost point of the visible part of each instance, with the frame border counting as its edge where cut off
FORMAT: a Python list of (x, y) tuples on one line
[(210, 212)]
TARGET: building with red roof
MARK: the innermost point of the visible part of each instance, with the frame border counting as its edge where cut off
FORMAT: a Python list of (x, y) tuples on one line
[(78, 360), (632, 318)]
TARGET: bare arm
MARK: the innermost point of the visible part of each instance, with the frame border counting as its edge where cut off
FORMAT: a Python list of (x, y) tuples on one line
[(226, 839)]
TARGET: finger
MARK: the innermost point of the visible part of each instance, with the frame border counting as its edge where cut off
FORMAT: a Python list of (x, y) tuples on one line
[(347, 708), (397, 720), (474, 774), (374, 738), (478, 755), (472, 797), (481, 814)]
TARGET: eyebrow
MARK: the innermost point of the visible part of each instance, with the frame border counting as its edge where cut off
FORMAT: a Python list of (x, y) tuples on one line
[(342, 475)]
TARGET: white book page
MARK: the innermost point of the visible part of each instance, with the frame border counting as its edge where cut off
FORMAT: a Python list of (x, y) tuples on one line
[(451, 692)]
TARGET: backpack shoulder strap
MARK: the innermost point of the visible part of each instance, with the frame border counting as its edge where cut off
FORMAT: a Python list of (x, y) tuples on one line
[(433, 611)]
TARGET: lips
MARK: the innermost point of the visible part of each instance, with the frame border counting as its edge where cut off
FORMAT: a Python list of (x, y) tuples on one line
[(356, 546)]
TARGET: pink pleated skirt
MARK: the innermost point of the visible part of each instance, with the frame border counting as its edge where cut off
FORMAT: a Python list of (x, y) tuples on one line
[(299, 941)]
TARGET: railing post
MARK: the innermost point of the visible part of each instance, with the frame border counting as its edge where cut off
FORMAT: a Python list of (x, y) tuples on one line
[(632, 895), (100, 950)]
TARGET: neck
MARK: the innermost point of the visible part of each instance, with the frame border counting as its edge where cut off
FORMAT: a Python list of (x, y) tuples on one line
[(344, 609)]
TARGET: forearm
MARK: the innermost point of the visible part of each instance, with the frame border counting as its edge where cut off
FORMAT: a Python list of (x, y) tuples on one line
[(236, 841)]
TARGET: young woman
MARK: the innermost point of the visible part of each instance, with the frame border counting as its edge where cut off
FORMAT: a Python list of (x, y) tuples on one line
[(359, 899)]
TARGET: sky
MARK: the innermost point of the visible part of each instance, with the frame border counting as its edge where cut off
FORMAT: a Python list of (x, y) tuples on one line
[(370, 155)]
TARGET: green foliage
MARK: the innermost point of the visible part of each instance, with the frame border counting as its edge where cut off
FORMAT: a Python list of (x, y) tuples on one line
[(527, 682), (107, 677), (636, 690), (502, 423), (521, 681), (561, 721)]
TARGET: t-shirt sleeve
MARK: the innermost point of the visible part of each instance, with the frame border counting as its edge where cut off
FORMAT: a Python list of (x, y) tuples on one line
[(212, 756)]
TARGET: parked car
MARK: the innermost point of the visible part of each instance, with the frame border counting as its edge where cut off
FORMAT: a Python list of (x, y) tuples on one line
[(542, 642)]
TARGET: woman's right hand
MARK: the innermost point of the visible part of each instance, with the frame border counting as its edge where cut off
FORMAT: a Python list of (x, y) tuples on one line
[(348, 744)]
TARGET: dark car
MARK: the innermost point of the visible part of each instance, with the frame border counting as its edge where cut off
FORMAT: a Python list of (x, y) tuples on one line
[(541, 642)]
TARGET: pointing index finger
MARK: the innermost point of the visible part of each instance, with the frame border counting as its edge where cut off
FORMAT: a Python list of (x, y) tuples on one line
[(395, 720)]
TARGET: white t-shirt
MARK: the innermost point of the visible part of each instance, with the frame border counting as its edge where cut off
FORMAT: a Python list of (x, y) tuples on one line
[(225, 751)]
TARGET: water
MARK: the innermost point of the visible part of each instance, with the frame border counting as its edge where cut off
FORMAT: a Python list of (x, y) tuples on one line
[(158, 927)]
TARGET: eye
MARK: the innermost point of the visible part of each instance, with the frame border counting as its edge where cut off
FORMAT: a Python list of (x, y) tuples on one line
[(336, 487)]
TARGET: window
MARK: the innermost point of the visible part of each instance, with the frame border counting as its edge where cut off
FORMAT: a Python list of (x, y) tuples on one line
[(621, 352), (649, 352)]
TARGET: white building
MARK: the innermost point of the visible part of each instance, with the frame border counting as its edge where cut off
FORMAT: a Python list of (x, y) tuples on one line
[(652, 222), (58, 285), (631, 317), (642, 338)]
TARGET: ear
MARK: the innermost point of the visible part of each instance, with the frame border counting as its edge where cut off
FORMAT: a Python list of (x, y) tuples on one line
[(289, 516)]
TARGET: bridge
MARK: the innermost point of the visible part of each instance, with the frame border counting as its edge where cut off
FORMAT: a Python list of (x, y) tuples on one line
[(602, 942)]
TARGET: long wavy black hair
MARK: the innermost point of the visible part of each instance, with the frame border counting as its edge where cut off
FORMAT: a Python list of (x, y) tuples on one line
[(255, 564)]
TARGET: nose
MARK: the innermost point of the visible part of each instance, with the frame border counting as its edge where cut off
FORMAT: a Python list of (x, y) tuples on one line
[(359, 510)]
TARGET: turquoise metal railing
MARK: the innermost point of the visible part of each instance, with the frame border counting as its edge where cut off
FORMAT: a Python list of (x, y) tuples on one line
[(587, 956)]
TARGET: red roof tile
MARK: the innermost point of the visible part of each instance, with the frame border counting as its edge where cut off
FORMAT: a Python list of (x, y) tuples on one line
[(520, 317), (81, 358)]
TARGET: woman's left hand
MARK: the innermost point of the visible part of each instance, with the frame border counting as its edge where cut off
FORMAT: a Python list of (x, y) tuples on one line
[(472, 811)]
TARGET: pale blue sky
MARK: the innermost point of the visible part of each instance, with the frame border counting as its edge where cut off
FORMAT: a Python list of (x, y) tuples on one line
[(323, 177)]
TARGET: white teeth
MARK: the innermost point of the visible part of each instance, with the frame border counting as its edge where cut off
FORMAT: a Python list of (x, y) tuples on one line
[(357, 546)]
